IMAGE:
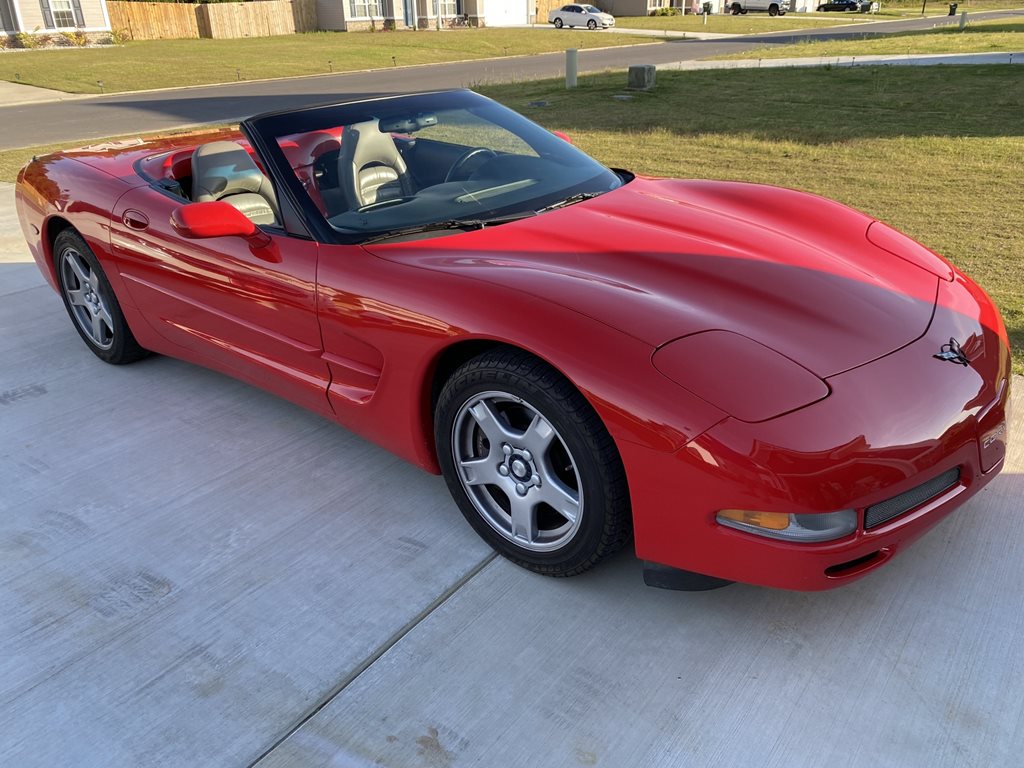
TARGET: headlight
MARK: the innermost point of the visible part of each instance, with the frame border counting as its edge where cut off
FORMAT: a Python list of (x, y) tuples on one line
[(824, 526), (739, 376)]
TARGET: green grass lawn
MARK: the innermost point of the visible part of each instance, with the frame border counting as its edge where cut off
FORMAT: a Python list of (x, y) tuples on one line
[(911, 8), (976, 37), (935, 151), (169, 63), (738, 25)]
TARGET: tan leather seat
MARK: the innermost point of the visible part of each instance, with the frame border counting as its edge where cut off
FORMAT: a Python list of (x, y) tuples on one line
[(370, 169), (223, 170)]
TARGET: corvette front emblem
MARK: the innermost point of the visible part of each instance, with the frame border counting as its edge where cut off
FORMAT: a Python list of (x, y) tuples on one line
[(952, 353)]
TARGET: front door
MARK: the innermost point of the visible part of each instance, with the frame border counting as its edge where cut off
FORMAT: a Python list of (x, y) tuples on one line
[(252, 314)]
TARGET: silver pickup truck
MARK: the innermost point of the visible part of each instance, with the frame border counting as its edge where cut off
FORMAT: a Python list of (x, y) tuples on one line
[(773, 7)]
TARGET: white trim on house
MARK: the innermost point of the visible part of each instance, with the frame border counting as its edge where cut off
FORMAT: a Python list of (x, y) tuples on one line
[(51, 30), (18, 21), (106, 15)]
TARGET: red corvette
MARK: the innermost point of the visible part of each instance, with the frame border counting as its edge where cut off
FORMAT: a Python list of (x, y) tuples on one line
[(757, 384)]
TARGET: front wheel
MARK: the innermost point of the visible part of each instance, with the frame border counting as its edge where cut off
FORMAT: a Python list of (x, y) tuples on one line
[(91, 303), (531, 465), (591, 24), (558, 23), (773, 10)]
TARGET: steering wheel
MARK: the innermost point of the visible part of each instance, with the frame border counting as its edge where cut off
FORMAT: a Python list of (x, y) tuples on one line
[(453, 172)]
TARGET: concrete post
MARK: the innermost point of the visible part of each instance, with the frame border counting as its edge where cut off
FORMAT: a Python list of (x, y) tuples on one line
[(571, 67)]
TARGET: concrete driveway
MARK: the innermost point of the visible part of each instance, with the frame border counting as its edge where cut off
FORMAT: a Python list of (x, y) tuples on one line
[(194, 573)]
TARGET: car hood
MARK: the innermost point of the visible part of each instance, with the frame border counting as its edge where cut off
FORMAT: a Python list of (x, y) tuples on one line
[(661, 259)]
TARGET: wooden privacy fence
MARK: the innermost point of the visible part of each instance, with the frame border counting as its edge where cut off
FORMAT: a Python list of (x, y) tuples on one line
[(153, 21), (157, 21)]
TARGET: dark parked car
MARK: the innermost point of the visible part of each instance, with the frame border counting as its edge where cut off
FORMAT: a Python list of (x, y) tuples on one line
[(844, 5)]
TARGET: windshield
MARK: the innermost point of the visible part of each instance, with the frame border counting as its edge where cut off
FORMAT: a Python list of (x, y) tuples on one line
[(385, 165), (592, 9)]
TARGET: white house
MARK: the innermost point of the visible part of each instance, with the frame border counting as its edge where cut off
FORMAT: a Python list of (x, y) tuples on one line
[(354, 15), (46, 16)]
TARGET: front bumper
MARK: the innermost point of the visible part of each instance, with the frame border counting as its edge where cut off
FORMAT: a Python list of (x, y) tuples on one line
[(886, 428)]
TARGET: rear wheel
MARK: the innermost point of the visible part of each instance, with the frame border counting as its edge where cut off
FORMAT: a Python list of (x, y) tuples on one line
[(91, 303), (736, 8), (558, 23), (531, 465)]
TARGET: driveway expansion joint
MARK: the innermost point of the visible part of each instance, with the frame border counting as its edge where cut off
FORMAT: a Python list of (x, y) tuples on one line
[(370, 660)]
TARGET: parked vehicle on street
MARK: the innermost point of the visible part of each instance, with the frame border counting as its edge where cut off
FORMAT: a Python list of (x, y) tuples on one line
[(853, 6), (574, 15), (771, 7), (754, 384)]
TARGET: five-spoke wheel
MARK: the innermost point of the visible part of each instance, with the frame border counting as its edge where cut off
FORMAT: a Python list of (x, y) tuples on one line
[(84, 295), (90, 301), (530, 464), (517, 471)]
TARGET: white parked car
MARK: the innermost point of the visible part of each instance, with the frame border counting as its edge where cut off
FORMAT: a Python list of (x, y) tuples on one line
[(580, 16)]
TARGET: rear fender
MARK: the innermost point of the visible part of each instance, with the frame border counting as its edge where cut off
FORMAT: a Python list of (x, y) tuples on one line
[(54, 192)]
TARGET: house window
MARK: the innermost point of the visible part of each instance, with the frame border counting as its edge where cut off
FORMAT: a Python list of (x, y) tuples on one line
[(362, 8), (63, 13), (447, 7)]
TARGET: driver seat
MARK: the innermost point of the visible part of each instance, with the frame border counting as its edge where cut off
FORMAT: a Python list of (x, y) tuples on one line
[(224, 170), (370, 168)]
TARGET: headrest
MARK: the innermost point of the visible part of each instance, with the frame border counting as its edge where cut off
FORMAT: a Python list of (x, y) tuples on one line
[(223, 168)]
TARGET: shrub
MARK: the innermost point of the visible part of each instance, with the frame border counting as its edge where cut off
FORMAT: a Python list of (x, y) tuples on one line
[(120, 36), (665, 12), (25, 40), (6, 41), (77, 38)]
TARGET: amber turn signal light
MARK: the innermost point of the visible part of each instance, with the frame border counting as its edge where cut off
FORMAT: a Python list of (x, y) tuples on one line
[(823, 526)]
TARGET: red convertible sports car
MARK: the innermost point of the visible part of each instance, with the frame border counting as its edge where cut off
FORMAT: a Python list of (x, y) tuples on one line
[(757, 384)]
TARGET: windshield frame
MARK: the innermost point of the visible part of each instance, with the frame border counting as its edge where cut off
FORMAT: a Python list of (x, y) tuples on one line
[(264, 130)]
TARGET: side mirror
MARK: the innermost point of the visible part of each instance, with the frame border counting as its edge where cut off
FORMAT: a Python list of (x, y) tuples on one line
[(198, 221), (562, 136)]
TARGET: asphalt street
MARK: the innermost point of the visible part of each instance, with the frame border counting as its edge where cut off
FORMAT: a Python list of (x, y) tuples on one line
[(31, 124)]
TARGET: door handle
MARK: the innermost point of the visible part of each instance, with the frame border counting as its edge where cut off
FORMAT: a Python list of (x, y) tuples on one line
[(135, 219)]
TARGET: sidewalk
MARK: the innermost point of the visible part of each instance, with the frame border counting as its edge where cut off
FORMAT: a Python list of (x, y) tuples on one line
[(12, 94)]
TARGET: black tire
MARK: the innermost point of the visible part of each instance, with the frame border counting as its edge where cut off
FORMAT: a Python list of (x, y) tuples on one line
[(119, 346), (773, 10), (736, 9), (821, 9), (581, 445), (559, 23), (591, 24)]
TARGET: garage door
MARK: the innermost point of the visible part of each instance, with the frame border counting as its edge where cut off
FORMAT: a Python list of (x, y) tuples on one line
[(506, 13)]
